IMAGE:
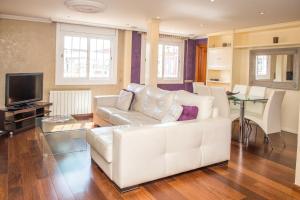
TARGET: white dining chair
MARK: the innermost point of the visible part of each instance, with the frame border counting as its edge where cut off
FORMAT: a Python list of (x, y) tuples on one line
[(221, 101), (201, 89), (234, 106), (270, 120), (256, 107), (257, 91), (241, 89)]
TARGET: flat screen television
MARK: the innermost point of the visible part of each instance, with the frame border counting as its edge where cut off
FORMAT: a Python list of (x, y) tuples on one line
[(23, 88)]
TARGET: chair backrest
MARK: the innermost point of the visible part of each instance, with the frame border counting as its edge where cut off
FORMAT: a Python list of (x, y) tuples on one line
[(221, 101), (201, 89), (272, 112), (241, 89), (257, 108), (258, 91)]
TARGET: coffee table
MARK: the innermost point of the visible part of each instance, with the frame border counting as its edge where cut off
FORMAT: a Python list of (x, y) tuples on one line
[(61, 137)]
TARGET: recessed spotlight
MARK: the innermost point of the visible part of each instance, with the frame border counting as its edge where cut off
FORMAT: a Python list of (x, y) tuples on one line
[(157, 17), (212, 0), (261, 12)]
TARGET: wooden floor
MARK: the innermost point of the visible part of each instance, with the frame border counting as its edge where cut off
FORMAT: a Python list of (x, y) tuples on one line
[(252, 173)]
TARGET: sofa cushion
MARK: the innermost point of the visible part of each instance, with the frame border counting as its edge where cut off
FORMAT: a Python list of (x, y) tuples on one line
[(125, 100), (132, 118), (139, 91), (156, 102), (106, 112), (173, 113), (101, 140), (188, 113), (204, 103)]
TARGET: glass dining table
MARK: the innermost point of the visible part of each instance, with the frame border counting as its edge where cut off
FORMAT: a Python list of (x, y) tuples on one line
[(241, 99)]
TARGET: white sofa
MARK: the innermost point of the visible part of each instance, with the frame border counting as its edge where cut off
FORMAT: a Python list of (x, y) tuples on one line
[(139, 148)]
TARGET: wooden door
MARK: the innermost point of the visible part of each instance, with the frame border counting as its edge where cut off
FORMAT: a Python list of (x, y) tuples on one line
[(201, 63)]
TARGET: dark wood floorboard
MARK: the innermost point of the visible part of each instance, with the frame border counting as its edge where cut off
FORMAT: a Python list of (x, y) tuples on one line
[(255, 172)]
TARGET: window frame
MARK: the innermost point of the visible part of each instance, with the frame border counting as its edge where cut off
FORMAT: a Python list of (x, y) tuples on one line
[(165, 41), (63, 30)]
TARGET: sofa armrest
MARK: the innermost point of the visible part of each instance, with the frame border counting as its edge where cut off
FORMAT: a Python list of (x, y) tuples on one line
[(105, 100), (146, 153)]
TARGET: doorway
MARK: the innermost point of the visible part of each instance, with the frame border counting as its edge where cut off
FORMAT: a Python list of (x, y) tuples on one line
[(201, 63)]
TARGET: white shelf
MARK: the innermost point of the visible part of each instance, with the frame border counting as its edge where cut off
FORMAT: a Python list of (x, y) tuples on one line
[(220, 47), (219, 68), (267, 45), (222, 82)]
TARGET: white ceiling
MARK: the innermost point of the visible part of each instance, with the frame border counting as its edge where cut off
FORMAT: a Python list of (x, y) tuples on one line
[(182, 17)]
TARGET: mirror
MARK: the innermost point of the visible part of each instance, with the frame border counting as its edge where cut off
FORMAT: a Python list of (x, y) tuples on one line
[(275, 68)]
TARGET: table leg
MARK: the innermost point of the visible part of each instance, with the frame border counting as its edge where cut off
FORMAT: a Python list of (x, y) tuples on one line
[(242, 125)]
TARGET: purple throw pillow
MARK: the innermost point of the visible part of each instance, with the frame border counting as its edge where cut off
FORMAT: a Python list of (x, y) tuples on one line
[(188, 113)]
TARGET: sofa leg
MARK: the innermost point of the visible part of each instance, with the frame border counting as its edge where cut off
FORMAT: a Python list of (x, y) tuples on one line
[(225, 163), (127, 189)]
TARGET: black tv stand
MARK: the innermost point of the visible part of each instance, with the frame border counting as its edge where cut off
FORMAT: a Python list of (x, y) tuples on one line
[(17, 119), (20, 107)]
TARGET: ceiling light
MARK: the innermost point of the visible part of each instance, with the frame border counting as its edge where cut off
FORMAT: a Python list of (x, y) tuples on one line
[(85, 6), (157, 17), (261, 12), (212, 0)]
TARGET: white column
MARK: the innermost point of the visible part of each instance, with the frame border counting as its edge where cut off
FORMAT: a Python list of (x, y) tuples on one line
[(152, 52), (127, 58), (297, 178)]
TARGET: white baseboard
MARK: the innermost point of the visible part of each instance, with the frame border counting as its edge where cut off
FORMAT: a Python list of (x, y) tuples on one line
[(290, 130)]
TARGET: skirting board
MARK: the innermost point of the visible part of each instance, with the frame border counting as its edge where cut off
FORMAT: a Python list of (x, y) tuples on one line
[(290, 130)]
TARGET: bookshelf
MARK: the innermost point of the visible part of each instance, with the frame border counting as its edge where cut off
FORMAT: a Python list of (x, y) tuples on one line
[(220, 60)]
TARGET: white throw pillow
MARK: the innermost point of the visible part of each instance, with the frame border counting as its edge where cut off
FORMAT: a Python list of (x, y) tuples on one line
[(204, 103), (139, 93), (156, 102), (173, 113), (125, 100)]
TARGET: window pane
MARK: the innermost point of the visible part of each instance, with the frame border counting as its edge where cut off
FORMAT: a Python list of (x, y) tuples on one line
[(68, 42), (75, 57), (76, 43), (160, 61), (93, 44), (100, 58), (261, 65), (171, 62), (83, 43)]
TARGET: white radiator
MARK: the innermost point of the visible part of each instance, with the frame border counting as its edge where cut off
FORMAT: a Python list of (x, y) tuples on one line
[(70, 102)]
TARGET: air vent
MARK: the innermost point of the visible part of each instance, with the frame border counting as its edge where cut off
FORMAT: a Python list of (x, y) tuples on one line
[(85, 6)]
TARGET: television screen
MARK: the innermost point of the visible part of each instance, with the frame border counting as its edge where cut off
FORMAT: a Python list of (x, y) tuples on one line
[(23, 88)]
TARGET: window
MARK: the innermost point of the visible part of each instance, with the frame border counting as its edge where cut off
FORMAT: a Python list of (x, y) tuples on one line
[(85, 56), (170, 60), (262, 67)]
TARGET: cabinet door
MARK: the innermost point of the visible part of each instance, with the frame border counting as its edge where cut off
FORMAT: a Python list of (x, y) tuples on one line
[(219, 58)]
